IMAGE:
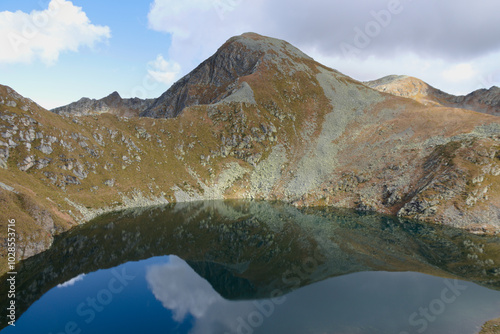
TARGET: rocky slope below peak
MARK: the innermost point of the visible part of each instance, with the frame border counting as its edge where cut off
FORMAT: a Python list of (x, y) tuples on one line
[(482, 100), (112, 104)]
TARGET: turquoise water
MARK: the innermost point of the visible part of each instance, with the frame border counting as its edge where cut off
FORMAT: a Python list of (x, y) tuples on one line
[(253, 267)]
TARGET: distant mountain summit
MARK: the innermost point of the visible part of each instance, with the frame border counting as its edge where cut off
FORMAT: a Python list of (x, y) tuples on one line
[(482, 100), (112, 104)]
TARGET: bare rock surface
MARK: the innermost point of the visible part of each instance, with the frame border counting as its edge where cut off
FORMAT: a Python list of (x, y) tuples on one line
[(113, 104)]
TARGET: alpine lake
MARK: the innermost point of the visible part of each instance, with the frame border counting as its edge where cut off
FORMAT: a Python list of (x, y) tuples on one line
[(257, 267)]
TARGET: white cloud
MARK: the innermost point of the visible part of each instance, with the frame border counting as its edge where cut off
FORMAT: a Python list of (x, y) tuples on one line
[(72, 281), (164, 71), (173, 16), (459, 73), (44, 34)]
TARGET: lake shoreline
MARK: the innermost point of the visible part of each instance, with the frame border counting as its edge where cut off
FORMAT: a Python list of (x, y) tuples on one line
[(491, 327)]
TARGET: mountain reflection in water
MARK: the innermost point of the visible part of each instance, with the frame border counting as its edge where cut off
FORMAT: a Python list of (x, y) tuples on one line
[(259, 267)]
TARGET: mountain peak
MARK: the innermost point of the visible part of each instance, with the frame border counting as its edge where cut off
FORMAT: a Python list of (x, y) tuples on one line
[(482, 100), (218, 76), (113, 99), (268, 45), (115, 94), (389, 79), (250, 35), (401, 85)]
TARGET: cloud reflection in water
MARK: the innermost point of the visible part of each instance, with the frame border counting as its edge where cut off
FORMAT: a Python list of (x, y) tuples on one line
[(180, 289)]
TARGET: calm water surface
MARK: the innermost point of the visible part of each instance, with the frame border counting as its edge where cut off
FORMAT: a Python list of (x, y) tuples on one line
[(258, 267)]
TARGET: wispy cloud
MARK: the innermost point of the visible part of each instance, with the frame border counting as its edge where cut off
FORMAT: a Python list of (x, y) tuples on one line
[(44, 34), (164, 71), (459, 73)]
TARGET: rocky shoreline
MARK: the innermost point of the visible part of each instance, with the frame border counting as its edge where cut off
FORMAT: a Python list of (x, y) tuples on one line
[(491, 327)]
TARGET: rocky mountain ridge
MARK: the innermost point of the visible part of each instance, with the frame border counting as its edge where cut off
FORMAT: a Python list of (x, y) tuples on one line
[(113, 104), (276, 126), (222, 71), (481, 100)]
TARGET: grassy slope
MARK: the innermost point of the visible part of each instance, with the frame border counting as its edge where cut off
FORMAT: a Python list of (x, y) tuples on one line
[(491, 327)]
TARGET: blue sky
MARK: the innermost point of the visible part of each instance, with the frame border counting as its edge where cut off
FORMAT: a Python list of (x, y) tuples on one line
[(139, 48), (119, 63)]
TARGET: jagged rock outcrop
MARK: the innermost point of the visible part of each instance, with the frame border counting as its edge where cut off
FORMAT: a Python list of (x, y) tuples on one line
[(482, 100), (257, 120), (112, 104)]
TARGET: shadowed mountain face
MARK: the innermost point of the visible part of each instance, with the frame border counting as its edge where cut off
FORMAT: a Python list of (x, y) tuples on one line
[(112, 104), (257, 120), (482, 100), (247, 249)]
